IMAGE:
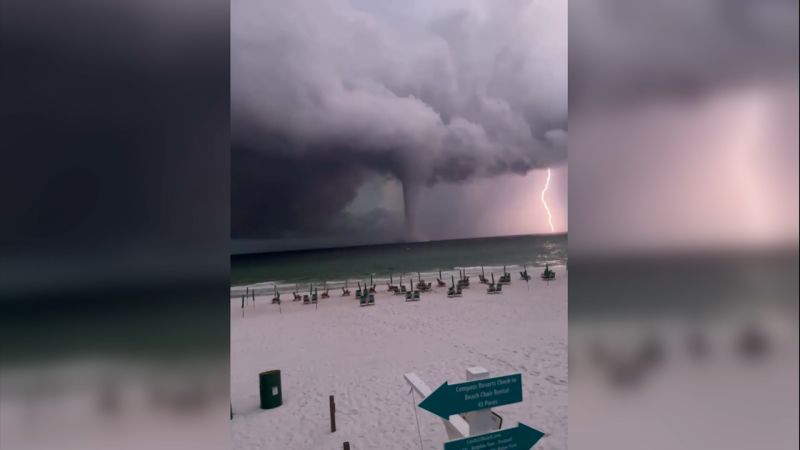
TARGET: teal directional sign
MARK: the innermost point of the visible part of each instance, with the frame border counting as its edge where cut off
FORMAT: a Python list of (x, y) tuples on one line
[(459, 398), (522, 437)]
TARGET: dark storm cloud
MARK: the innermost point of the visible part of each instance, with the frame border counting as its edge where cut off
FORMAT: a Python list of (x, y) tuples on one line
[(428, 94), (629, 50)]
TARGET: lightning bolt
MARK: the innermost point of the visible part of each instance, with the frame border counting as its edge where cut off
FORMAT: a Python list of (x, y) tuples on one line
[(544, 202)]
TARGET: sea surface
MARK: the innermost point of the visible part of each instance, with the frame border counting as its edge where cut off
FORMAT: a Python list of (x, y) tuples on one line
[(382, 260)]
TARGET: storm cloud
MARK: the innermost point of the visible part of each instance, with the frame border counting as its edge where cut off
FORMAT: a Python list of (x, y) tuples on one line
[(324, 92)]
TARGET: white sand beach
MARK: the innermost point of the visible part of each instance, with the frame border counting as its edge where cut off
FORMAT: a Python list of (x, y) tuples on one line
[(359, 355)]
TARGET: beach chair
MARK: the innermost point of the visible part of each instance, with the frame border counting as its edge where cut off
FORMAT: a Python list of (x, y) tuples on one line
[(276, 300), (409, 296), (548, 274), (306, 299), (363, 300), (371, 300), (314, 297), (505, 278), (524, 276), (451, 291), (416, 296), (498, 289), (345, 292), (491, 289), (482, 277), (458, 291), (325, 294)]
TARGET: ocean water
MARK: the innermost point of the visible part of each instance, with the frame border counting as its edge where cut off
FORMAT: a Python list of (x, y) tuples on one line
[(381, 260)]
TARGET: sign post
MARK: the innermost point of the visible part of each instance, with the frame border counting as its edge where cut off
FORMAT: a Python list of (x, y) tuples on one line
[(474, 395), (474, 399), (521, 437)]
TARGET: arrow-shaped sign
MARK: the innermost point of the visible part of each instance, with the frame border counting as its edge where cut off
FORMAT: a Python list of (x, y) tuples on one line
[(522, 437), (459, 398)]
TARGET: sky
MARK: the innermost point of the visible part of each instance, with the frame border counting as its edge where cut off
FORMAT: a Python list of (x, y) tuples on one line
[(378, 121), (684, 125)]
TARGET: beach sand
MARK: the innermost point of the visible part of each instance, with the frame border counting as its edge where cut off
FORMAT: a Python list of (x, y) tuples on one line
[(360, 354)]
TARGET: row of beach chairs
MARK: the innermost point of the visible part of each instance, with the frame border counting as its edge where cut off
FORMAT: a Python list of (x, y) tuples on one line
[(366, 295)]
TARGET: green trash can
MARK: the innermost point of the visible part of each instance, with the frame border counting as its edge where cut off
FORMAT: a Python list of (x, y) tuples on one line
[(269, 385)]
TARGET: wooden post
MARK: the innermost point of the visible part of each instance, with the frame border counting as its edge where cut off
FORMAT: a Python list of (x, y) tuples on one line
[(346, 446), (333, 413), (480, 421)]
